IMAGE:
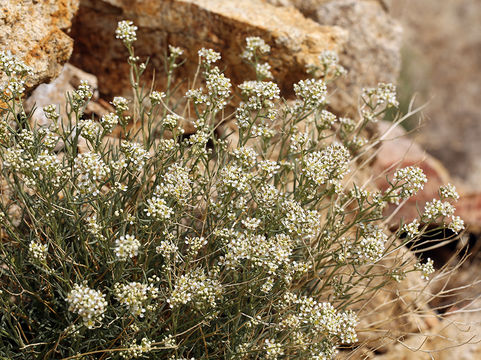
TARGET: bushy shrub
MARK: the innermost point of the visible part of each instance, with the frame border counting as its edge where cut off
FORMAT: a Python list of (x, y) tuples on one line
[(251, 243)]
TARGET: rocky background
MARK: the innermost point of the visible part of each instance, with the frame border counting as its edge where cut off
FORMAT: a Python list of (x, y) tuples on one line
[(430, 47)]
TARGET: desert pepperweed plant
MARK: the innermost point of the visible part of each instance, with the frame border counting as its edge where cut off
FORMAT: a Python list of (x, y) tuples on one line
[(252, 241)]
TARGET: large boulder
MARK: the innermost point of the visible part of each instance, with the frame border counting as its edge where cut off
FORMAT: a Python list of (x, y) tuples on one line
[(35, 31), (220, 24)]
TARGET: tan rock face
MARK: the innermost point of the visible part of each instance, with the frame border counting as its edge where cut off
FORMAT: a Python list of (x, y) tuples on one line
[(35, 31), (372, 53), (219, 24), (442, 62)]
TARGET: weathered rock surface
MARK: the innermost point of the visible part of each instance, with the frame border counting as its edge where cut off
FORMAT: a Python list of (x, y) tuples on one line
[(55, 92), (35, 31), (442, 62), (372, 53), (191, 25)]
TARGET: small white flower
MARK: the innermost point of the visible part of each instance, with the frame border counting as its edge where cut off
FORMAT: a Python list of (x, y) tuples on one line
[(120, 104), (126, 31), (456, 224), (88, 303), (175, 51), (411, 179), (208, 56), (448, 192), (126, 247), (412, 229), (38, 251), (426, 269)]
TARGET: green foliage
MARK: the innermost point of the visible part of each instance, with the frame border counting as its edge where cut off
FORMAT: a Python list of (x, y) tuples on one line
[(245, 244)]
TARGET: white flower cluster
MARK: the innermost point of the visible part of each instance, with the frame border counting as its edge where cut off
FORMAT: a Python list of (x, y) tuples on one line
[(299, 141), (272, 349), (89, 129), (120, 104), (157, 208), (26, 139), (80, 96), (11, 66), (329, 65), (328, 165), (382, 95), (126, 31), (16, 70), (137, 350), (90, 169), (426, 269), (269, 253), (156, 97), (245, 156), (267, 196), (456, 224), (168, 249), (197, 288), (448, 192), (177, 183), (38, 251), (268, 168), (298, 221), (324, 351), (48, 166), (135, 155), (127, 246), (195, 244), (175, 51), (324, 318), (411, 179), (208, 56), (197, 96), (412, 229), (312, 92), (50, 139), (437, 208), (50, 112), (4, 130), (260, 94), (171, 121), (88, 303), (218, 87), (255, 45), (109, 122), (263, 71), (371, 246), (234, 178), (93, 227), (17, 159), (330, 61), (134, 295), (327, 119)]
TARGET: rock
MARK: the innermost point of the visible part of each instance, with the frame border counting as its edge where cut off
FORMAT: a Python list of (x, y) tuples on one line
[(441, 63), (191, 25), (372, 52), (469, 209), (55, 92), (35, 31)]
